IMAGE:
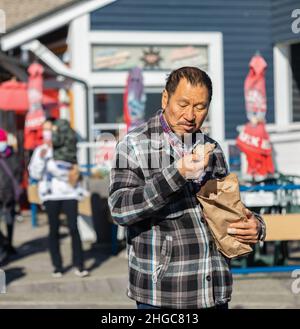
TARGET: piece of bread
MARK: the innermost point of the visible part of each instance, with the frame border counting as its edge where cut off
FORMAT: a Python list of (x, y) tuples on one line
[(205, 150)]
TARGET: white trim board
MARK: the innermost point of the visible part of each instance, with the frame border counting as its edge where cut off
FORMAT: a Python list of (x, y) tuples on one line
[(214, 42), (282, 85), (47, 24), (153, 37)]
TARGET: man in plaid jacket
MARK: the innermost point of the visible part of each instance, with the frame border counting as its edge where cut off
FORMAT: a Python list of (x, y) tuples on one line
[(173, 259)]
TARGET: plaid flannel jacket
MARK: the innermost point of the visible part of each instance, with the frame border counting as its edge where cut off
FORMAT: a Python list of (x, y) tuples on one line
[(173, 260)]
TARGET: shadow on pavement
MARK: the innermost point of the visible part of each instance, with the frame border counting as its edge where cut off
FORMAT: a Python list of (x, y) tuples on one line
[(14, 273), (94, 256)]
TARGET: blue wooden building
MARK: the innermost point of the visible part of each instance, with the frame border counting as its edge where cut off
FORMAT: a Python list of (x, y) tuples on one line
[(105, 38)]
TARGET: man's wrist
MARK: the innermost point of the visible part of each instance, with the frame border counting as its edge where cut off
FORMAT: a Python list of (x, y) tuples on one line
[(262, 228)]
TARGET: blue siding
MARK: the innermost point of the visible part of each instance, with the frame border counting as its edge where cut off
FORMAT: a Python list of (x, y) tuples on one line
[(246, 27), (282, 20)]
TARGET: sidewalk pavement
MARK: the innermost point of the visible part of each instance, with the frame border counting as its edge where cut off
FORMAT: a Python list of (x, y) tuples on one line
[(30, 284)]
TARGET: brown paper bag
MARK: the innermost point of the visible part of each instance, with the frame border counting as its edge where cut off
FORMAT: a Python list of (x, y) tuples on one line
[(85, 206), (32, 194), (221, 202), (74, 175)]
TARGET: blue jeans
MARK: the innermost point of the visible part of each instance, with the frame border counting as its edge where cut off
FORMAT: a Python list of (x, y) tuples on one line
[(142, 306)]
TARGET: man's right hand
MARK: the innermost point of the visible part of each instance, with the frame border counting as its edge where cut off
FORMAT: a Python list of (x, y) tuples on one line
[(191, 166)]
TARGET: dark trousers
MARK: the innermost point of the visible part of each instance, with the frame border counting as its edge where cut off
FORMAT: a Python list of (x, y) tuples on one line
[(70, 208), (9, 213), (2, 241), (141, 306)]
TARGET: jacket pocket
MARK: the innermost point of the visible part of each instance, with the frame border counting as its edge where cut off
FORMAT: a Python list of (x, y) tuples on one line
[(165, 257), (138, 264)]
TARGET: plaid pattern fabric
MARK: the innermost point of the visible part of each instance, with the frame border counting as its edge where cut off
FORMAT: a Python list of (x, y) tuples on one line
[(173, 260)]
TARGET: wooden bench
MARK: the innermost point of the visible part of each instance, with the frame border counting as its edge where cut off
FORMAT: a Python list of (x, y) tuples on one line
[(282, 227)]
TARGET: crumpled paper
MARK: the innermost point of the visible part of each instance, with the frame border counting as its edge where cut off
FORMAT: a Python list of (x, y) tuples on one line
[(221, 204)]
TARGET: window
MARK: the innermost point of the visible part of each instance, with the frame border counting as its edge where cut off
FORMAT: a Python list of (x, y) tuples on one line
[(108, 106)]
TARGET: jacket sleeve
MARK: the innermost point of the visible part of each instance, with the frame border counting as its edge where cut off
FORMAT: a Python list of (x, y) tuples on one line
[(131, 197), (57, 172), (16, 167), (36, 165)]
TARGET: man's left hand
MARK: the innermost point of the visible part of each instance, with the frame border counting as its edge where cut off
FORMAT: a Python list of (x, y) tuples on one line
[(247, 231)]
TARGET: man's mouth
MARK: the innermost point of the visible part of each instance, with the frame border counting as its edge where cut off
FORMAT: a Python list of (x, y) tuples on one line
[(188, 127)]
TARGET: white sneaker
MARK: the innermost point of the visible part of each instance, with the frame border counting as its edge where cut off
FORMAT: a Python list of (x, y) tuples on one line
[(57, 274), (81, 273)]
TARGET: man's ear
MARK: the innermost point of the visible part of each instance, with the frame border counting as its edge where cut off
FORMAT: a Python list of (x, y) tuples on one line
[(164, 99)]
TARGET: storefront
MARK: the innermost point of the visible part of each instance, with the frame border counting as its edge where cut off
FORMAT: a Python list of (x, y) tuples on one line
[(103, 39), (117, 54)]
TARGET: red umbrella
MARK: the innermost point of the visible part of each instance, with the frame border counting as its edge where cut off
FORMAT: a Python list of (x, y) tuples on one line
[(254, 140), (14, 96)]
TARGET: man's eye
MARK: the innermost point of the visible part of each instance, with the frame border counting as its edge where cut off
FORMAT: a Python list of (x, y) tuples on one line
[(200, 108), (183, 105)]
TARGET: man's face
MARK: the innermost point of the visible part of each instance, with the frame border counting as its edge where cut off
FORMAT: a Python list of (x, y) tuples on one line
[(187, 108)]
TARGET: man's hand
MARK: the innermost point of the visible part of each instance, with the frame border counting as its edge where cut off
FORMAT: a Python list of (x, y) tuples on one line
[(192, 166), (248, 231)]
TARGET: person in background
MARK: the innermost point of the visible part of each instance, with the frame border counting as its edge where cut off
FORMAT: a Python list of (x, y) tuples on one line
[(12, 141), (3, 252), (64, 142), (57, 194), (10, 177)]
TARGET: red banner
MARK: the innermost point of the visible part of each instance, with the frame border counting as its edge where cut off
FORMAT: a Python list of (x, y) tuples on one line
[(254, 140), (36, 115), (255, 89)]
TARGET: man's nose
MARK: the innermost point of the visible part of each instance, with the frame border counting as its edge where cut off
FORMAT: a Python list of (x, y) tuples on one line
[(189, 114)]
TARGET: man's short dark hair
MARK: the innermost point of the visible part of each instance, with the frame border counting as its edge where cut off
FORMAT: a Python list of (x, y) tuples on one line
[(193, 75)]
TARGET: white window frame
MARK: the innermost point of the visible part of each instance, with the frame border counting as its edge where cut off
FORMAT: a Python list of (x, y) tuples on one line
[(283, 93), (282, 85), (213, 40)]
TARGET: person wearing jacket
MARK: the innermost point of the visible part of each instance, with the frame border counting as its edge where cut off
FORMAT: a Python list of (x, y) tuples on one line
[(3, 251), (57, 195), (173, 258), (10, 177)]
